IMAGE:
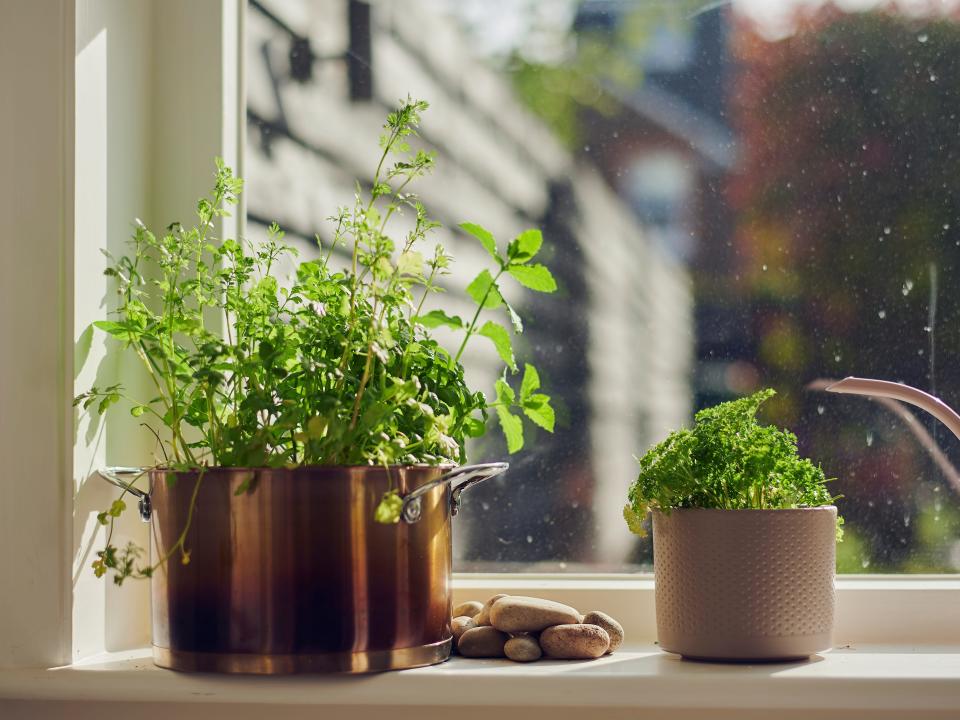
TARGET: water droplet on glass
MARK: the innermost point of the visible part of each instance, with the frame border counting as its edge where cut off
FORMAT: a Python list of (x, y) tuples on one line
[(764, 268), (586, 148), (907, 287), (820, 409), (906, 521), (882, 314), (926, 328), (529, 538), (922, 37), (933, 78), (886, 230), (865, 563), (870, 444), (937, 506), (836, 358), (920, 351), (946, 226)]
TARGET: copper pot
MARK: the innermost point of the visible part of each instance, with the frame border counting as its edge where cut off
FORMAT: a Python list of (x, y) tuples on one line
[(288, 572)]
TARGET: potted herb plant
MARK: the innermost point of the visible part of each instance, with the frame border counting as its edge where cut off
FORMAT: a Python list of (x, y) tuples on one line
[(309, 429), (744, 538)]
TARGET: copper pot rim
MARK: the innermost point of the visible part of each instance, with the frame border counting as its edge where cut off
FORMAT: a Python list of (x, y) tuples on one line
[(300, 468)]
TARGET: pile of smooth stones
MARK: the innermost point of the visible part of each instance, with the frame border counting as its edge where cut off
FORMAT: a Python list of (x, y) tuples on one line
[(525, 629)]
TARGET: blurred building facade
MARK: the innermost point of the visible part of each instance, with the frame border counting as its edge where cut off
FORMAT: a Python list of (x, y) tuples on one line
[(667, 145), (615, 345)]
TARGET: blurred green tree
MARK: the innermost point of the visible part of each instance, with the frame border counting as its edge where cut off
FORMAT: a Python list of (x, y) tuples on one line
[(846, 242)]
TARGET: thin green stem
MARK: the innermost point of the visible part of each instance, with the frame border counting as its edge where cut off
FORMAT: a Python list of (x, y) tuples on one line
[(476, 316)]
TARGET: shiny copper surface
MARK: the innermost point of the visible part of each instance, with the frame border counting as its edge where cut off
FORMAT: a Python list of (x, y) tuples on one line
[(295, 575)]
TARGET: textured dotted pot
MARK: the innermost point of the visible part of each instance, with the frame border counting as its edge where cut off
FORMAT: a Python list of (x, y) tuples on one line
[(743, 585)]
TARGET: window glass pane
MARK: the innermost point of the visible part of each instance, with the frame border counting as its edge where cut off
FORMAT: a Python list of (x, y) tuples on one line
[(733, 195)]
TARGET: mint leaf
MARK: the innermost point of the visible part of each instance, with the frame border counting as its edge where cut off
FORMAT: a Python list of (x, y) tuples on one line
[(484, 291), (484, 236), (514, 318), (537, 408), (522, 248), (410, 263), (531, 381), (388, 511), (535, 277), (501, 340), (505, 394), (512, 427), (121, 331), (436, 318)]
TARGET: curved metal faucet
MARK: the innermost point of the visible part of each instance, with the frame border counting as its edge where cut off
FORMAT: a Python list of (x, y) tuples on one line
[(898, 391)]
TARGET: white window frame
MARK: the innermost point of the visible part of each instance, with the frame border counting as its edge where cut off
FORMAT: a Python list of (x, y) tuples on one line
[(51, 611)]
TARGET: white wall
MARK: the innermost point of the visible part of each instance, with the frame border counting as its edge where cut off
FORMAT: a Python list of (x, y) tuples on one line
[(139, 96), (157, 97), (36, 214)]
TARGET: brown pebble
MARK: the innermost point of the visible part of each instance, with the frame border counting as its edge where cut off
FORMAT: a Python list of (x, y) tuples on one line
[(483, 617), (527, 614), (522, 648), (460, 625), (613, 628), (574, 642), (469, 608), (482, 642)]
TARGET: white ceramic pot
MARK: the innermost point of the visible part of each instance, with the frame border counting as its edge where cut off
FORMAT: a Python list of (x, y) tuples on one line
[(744, 585)]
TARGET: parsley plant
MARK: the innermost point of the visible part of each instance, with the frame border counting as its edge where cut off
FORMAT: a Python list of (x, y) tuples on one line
[(728, 461)]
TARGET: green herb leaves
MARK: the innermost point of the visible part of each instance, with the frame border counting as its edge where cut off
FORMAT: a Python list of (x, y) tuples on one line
[(536, 406), (487, 294), (501, 340), (335, 365), (535, 277), (524, 246), (388, 510), (484, 291), (728, 460), (484, 236)]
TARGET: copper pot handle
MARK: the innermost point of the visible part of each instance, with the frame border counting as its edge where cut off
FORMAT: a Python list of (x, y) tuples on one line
[(471, 474), (412, 503), (115, 476)]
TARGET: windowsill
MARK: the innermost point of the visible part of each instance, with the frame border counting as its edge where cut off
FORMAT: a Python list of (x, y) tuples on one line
[(847, 682)]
